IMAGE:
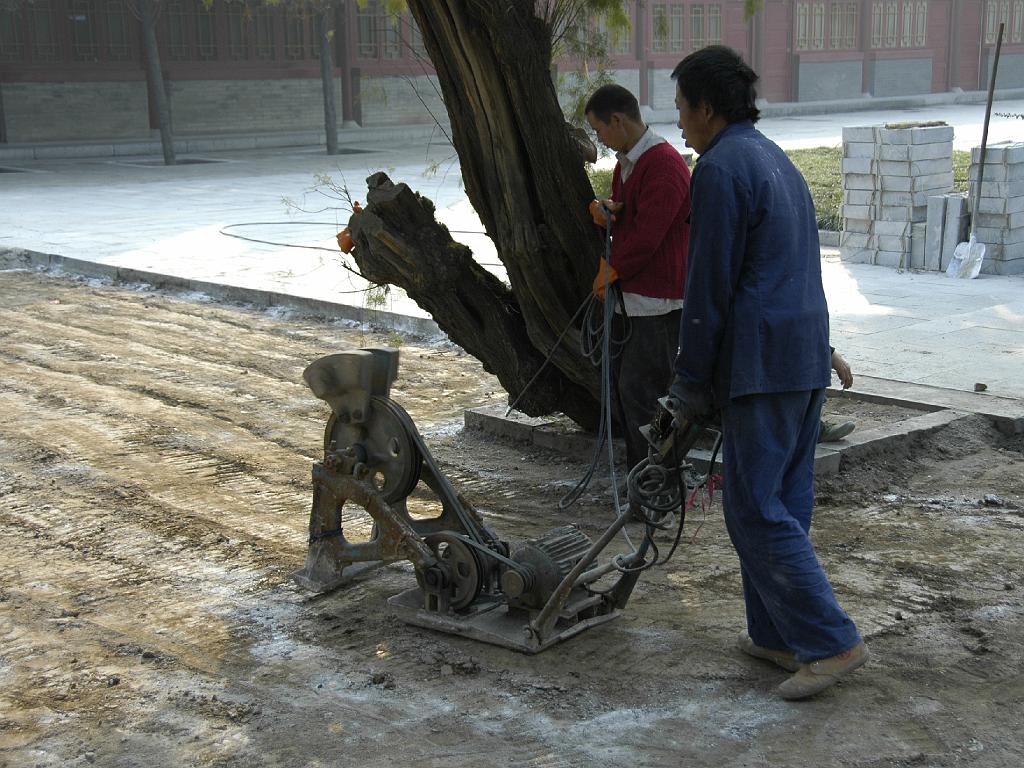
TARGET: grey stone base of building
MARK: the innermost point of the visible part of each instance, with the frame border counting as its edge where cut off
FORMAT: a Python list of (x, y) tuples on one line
[(215, 143)]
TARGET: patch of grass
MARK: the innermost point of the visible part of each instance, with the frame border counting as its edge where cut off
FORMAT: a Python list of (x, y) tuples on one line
[(822, 169), (961, 163), (601, 181)]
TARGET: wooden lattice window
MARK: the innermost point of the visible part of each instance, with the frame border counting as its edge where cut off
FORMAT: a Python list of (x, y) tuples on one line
[(82, 26), (11, 46)]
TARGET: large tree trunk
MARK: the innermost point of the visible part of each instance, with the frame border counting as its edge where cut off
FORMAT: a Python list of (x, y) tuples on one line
[(327, 80), (155, 77), (524, 176)]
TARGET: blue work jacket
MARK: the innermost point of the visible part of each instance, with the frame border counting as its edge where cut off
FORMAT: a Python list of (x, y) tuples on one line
[(754, 315)]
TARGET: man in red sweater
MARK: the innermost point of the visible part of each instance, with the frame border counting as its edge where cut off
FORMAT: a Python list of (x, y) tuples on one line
[(651, 204)]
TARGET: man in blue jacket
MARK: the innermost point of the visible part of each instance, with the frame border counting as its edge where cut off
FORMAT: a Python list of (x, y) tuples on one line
[(754, 335)]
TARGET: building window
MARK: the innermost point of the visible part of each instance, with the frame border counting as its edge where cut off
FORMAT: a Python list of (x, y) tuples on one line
[(366, 23), (118, 34), (43, 24), (667, 27), (614, 41), (178, 48), (1012, 16), (11, 46), (714, 24), (295, 34), (419, 49), (206, 36), (238, 31), (82, 23), (391, 36), (826, 25), (696, 27), (899, 24), (843, 26), (263, 25)]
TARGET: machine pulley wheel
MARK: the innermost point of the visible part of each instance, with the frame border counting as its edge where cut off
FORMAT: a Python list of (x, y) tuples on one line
[(462, 564), (383, 443)]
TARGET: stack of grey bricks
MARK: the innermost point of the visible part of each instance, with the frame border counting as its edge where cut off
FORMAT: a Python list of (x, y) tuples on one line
[(1000, 215), (888, 176)]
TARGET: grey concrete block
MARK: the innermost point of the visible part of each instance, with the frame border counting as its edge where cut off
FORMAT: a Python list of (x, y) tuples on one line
[(900, 244), (1000, 220), (860, 181), (858, 197), (891, 258), (934, 226), (915, 167), (865, 134), (858, 213), (1005, 236), (1004, 267), (901, 213), (917, 246), (856, 255), (859, 165), (955, 228), (891, 228), (859, 149), (935, 182), (860, 226), (1001, 204), (855, 240), (492, 419), (937, 134), (1007, 189), (556, 437), (1003, 152), (997, 172)]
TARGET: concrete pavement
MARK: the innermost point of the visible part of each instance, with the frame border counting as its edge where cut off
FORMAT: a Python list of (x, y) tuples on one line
[(134, 213)]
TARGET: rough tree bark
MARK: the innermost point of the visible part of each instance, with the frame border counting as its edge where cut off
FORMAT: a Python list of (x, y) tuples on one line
[(524, 176)]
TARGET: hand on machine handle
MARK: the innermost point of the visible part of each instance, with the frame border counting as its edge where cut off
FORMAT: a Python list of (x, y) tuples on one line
[(606, 275), (694, 404)]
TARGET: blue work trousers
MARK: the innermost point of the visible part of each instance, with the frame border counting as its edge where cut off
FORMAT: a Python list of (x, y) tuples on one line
[(768, 496)]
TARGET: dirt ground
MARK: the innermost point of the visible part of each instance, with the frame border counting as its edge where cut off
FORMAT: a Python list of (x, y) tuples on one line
[(155, 453)]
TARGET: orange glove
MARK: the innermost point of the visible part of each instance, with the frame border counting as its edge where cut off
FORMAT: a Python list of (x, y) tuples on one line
[(345, 241), (597, 213), (345, 236), (606, 275)]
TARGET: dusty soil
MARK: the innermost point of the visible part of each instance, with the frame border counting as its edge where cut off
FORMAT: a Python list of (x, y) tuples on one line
[(154, 495)]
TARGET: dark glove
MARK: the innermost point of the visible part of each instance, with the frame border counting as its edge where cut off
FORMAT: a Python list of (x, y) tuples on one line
[(694, 404)]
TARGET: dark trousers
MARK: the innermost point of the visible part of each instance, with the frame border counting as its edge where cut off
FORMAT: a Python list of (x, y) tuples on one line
[(768, 496), (642, 372)]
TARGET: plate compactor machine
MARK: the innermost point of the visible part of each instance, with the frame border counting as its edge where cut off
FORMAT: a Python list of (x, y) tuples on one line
[(469, 581)]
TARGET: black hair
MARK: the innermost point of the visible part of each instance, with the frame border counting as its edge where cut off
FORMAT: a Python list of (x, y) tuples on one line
[(609, 99), (718, 76)]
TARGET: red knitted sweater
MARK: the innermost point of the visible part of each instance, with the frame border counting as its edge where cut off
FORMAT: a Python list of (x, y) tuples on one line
[(650, 234)]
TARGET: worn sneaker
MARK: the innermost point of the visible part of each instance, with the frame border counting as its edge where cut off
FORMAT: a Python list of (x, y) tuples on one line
[(831, 431), (784, 659), (818, 675)]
